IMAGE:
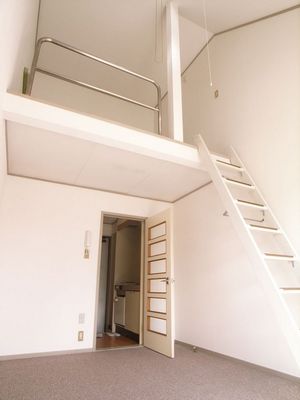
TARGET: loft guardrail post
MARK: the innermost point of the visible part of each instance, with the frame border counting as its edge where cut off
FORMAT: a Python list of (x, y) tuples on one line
[(34, 65), (55, 42), (159, 116)]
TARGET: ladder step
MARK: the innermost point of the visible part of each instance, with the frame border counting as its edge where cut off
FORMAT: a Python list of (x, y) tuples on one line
[(250, 204), (239, 183), (290, 289), (263, 228), (273, 256), (229, 165), (220, 157)]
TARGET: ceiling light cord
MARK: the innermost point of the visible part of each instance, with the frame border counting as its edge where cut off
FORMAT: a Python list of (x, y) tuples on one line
[(158, 54), (207, 43)]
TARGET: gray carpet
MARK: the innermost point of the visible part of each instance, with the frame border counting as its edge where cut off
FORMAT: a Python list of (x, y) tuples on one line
[(140, 374)]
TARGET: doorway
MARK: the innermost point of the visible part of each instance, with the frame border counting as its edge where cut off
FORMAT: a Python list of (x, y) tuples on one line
[(119, 300)]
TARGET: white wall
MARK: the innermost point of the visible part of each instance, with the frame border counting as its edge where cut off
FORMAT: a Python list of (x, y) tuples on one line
[(17, 33), (128, 255), (44, 280), (105, 37), (107, 230), (90, 102), (17, 28), (220, 305), (122, 37), (257, 72), (192, 40), (2, 156)]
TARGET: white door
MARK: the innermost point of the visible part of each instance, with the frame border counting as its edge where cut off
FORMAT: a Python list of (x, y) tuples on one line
[(159, 285)]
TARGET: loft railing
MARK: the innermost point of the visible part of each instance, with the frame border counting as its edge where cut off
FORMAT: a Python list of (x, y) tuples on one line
[(35, 68)]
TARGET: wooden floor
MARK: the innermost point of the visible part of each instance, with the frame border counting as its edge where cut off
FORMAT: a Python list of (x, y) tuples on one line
[(114, 341)]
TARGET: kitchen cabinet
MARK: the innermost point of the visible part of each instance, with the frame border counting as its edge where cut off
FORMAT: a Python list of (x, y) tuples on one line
[(132, 311)]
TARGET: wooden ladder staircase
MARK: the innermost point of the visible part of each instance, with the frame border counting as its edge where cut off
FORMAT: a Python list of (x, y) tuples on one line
[(232, 191)]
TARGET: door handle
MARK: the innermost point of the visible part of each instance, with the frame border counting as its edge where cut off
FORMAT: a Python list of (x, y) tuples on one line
[(167, 280)]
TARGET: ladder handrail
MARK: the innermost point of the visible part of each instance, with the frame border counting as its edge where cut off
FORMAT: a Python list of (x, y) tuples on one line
[(34, 69)]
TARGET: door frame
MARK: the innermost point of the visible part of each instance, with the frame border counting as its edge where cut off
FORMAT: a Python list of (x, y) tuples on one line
[(142, 263)]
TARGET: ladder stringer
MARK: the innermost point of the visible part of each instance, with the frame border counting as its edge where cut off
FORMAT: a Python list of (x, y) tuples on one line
[(275, 297)]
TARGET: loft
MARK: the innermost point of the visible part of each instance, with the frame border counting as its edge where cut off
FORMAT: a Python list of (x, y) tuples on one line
[(151, 163)]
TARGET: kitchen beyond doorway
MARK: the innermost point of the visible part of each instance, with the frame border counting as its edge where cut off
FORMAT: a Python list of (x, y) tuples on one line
[(119, 295)]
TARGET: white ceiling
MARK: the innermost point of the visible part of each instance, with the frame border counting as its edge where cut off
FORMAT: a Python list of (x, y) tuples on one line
[(50, 156), (225, 14)]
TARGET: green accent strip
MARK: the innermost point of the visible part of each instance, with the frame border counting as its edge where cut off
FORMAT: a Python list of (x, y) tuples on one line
[(25, 80)]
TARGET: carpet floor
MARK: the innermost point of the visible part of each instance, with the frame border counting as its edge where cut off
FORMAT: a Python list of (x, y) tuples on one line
[(140, 374)]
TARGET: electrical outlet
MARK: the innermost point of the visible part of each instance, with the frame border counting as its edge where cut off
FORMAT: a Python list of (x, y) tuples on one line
[(80, 336), (81, 318)]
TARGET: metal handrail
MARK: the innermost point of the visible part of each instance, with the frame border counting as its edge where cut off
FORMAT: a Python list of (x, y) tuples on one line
[(35, 68)]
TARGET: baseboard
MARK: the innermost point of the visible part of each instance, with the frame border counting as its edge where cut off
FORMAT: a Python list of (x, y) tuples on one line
[(249, 364), (131, 335), (45, 354)]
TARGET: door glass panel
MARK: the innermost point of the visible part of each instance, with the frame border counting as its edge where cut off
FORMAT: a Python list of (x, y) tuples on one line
[(158, 248), (157, 325), (157, 305), (158, 266), (157, 231), (157, 286)]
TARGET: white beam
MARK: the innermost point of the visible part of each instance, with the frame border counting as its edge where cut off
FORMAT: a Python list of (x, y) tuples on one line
[(25, 110), (174, 73)]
